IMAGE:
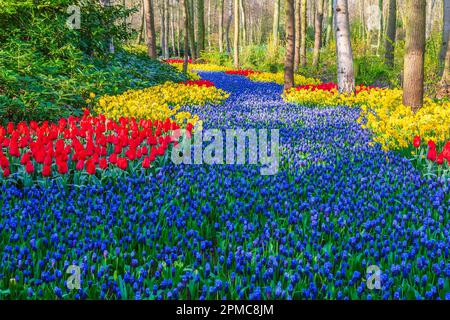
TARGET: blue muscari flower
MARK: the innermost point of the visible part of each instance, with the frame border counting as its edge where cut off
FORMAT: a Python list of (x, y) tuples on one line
[(207, 270), (58, 292), (441, 283)]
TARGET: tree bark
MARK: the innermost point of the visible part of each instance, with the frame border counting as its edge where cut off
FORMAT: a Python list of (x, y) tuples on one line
[(150, 28), (244, 22), (186, 36), (230, 19), (391, 33), (414, 55), (140, 36), (345, 70), (191, 30), (290, 45), (221, 14), (172, 29), (208, 24), (446, 30), (330, 12), (298, 32), (178, 26), (236, 34), (276, 21), (318, 33), (430, 18), (162, 13), (380, 32), (201, 26), (111, 47), (444, 90), (167, 29), (303, 21)]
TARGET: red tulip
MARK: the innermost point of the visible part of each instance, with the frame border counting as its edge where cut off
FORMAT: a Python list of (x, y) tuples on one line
[(416, 142), (29, 168), (122, 163), (62, 167), (146, 163), (431, 144), (103, 163), (6, 172), (432, 154), (46, 171), (440, 159), (80, 165), (90, 167), (113, 158)]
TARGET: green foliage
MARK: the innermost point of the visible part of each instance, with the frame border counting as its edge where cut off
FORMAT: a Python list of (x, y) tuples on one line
[(47, 70), (49, 93)]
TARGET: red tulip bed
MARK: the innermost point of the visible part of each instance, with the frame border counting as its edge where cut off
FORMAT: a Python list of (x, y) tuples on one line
[(86, 145), (331, 87), (440, 159), (243, 72), (200, 83), (170, 61)]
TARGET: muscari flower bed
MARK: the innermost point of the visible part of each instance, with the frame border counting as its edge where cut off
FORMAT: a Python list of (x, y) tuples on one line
[(336, 207)]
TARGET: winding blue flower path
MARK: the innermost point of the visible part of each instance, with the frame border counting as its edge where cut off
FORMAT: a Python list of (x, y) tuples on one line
[(336, 207)]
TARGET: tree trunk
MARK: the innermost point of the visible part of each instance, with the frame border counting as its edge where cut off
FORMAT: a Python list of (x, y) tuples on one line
[(167, 29), (236, 34), (150, 28), (430, 18), (345, 71), (172, 30), (111, 47), (162, 13), (186, 36), (276, 21), (244, 22), (221, 14), (209, 27), (230, 19), (318, 33), (191, 30), (330, 11), (414, 54), (140, 37), (290, 45), (446, 30), (298, 32), (444, 90), (304, 4), (201, 26), (380, 32), (179, 26), (391, 33)]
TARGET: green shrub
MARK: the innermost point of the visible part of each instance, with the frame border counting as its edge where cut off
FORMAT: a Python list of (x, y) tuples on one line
[(48, 70)]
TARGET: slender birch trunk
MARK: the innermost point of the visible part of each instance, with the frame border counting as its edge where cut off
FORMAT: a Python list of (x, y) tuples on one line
[(318, 33), (345, 69), (298, 32), (221, 14), (303, 21), (290, 45), (236, 34), (276, 21), (186, 35)]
